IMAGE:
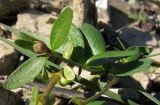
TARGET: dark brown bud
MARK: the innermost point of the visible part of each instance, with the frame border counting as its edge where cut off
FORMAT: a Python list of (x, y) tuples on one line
[(40, 47)]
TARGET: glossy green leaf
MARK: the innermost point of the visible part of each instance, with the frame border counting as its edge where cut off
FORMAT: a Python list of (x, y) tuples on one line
[(24, 36), (68, 50), (34, 98), (61, 28), (25, 44), (133, 57), (37, 37), (94, 38), (25, 73), (130, 68), (63, 80), (112, 56), (75, 36), (68, 73)]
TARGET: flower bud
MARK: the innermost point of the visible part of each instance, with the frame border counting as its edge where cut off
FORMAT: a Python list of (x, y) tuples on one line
[(40, 47)]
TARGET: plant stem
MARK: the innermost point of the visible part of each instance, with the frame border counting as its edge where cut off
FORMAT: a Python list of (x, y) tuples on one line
[(94, 97), (54, 79)]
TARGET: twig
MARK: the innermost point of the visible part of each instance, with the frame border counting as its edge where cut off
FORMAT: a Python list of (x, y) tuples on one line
[(60, 92)]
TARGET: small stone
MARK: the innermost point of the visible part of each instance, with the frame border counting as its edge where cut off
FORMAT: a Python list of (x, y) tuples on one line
[(10, 6), (155, 75), (135, 37), (36, 22), (8, 58), (147, 27), (143, 79), (3, 78), (119, 12), (156, 58), (9, 98)]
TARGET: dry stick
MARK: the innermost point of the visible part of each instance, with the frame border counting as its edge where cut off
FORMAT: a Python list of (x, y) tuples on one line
[(60, 92)]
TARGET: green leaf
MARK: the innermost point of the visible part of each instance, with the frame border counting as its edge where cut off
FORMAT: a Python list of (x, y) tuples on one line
[(61, 28), (37, 37), (25, 73), (94, 38), (68, 73), (75, 36), (25, 44), (68, 50), (134, 57), (63, 80), (112, 56), (24, 36), (34, 98), (131, 67)]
